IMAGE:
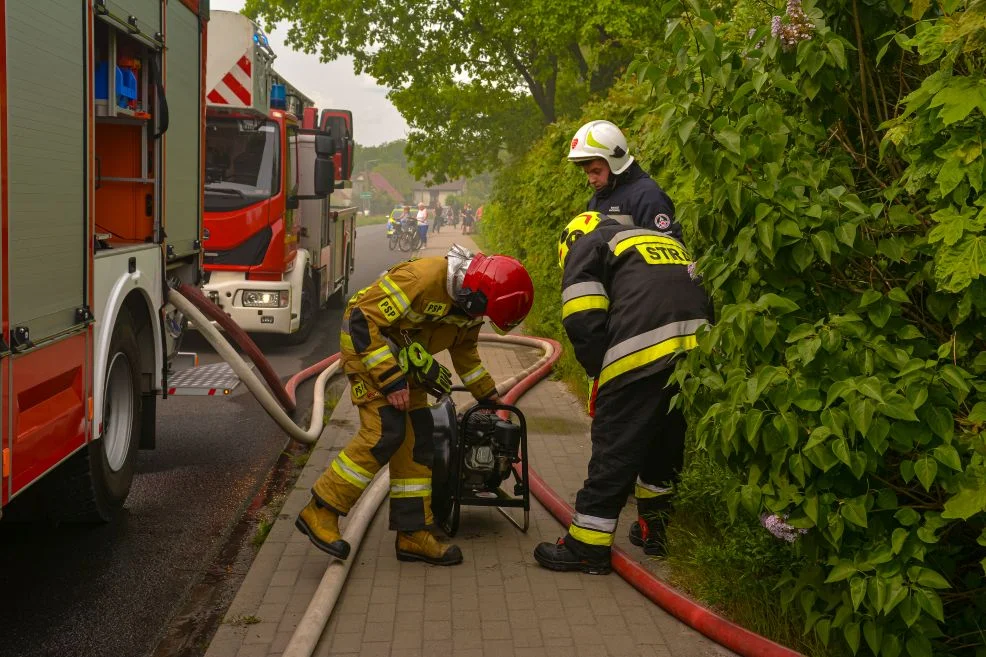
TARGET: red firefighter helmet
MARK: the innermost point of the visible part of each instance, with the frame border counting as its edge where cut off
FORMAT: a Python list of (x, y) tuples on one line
[(498, 287)]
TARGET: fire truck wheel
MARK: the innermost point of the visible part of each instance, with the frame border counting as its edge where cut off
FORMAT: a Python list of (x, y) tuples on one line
[(95, 482), (309, 311)]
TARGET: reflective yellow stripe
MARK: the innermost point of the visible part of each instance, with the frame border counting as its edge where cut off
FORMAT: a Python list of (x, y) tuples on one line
[(410, 488), (581, 304), (344, 466), (645, 357), (355, 467), (346, 341), (395, 292), (475, 374), (377, 356), (590, 536), (644, 491), (632, 238)]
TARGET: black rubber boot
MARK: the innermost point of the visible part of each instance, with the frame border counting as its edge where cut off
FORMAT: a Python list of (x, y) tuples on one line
[(650, 536), (558, 556)]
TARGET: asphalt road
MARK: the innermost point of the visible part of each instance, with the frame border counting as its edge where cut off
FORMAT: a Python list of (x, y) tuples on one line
[(111, 590)]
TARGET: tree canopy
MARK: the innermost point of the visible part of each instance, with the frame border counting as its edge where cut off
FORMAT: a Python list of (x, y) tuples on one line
[(473, 79)]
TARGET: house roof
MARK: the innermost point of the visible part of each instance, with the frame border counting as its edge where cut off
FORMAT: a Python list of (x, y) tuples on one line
[(379, 182)]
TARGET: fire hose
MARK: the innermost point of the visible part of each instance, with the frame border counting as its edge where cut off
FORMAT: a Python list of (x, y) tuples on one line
[(309, 630)]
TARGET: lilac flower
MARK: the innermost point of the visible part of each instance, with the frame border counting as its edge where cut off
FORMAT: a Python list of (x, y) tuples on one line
[(775, 26), (778, 526)]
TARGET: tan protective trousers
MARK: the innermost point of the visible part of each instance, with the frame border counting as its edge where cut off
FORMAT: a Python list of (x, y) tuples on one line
[(385, 435)]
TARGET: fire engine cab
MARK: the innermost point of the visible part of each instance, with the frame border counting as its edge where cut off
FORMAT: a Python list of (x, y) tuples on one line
[(276, 250)]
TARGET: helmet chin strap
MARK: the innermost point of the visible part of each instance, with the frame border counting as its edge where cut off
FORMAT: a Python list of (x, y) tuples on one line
[(459, 258)]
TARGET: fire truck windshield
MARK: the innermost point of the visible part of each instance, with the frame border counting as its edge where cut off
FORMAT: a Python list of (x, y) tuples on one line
[(242, 163)]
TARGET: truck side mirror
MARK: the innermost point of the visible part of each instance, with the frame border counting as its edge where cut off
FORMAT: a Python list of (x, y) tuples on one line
[(324, 145), (324, 175)]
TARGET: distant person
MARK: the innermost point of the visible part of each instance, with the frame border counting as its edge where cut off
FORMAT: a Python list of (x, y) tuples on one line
[(467, 219), (406, 220), (436, 222), (422, 218), (623, 190)]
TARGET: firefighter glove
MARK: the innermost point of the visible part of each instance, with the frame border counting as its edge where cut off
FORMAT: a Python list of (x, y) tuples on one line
[(431, 374)]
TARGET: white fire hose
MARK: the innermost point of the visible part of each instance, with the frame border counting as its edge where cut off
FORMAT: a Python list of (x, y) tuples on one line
[(312, 624)]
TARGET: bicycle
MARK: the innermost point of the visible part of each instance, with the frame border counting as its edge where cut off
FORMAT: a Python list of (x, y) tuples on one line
[(410, 239)]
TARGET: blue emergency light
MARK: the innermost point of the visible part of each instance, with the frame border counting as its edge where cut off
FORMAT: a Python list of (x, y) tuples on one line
[(278, 97)]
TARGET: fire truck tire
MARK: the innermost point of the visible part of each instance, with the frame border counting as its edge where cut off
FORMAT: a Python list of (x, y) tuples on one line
[(96, 480), (308, 312)]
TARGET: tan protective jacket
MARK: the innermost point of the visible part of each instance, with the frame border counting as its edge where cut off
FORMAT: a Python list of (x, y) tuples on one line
[(410, 303)]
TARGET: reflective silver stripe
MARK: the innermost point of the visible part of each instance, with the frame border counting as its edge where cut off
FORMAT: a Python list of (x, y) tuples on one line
[(348, 470), (474, 374), (627, 234), (659, 490), (644, 340), (583, 289), (378, 356), (409, 488), (595, 522), (414, 317), (625, 219)]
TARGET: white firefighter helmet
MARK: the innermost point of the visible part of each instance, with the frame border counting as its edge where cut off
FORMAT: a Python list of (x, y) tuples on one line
[(601, 139)]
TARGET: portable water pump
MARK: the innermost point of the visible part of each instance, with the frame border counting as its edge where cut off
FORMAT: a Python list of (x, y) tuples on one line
[(474, 456)]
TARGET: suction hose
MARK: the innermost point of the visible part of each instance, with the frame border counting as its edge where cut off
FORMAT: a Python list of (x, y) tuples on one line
[(246, 374), (724, 632), (239, 336)]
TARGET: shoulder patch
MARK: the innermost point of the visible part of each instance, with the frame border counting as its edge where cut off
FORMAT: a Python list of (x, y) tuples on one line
[(662, 221), (435, 308)]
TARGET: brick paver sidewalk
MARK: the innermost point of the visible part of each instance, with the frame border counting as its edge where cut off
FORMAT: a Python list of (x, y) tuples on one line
[(499, 602)]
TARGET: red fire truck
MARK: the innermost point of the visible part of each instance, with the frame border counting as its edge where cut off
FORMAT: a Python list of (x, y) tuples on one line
[(101, 136), (276, 250)]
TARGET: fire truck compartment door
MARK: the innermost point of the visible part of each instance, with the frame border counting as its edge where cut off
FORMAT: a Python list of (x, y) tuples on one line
[(147, 13), (183, 140), (46, 158)]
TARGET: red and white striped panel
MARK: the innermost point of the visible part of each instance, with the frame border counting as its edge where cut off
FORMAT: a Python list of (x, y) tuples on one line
[(234, 88)]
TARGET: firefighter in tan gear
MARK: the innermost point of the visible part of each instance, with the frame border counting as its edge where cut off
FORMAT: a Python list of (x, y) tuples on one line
[(390, 330)]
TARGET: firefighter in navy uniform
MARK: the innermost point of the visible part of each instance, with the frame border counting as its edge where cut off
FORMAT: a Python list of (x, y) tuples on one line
[(630, 307), (390, 330), (623, 190)]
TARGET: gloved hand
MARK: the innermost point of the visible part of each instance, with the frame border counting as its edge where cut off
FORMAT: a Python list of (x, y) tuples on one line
[(593, 391), (431, 374)]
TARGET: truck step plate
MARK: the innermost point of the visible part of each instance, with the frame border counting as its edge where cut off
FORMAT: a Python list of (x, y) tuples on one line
[(216, 379)]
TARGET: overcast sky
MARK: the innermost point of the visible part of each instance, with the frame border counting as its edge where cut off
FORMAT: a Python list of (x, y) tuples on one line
[(334, 85)]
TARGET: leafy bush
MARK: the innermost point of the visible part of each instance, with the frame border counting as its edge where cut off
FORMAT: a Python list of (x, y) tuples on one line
[(842, 381), (828, 168)]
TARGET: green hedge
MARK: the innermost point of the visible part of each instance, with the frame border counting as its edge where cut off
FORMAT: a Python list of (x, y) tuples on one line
[(830, 176)]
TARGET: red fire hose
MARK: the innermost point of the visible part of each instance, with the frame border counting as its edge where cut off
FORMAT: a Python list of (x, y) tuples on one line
[(726, 633)]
